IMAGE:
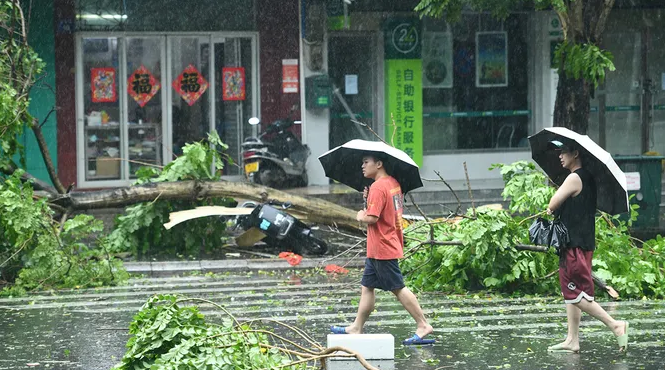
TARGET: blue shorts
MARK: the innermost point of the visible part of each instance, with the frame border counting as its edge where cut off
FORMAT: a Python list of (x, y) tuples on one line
[(382, 274)]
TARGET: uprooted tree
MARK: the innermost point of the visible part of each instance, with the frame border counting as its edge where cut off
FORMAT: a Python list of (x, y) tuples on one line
[(582, 63)]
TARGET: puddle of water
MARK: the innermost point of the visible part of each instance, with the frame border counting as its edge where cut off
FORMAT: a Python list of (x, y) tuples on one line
[(471, 333)]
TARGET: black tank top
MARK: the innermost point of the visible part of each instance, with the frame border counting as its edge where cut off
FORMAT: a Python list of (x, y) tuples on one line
[(578, 214)]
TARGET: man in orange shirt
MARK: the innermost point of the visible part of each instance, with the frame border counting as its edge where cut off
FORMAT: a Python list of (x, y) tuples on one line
[(383, 218)]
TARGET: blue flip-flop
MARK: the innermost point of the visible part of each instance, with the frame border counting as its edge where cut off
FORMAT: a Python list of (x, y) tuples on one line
[(338, 329), (415, 340)]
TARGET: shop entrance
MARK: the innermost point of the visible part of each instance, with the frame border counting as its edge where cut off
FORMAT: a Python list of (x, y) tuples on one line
[(141, 98)]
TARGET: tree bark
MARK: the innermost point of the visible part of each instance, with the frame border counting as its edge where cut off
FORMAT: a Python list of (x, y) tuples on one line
[(583, 22), (317, 210), (571, 109)]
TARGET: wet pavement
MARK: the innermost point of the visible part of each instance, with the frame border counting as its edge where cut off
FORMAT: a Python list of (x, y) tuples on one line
[(86, 329)]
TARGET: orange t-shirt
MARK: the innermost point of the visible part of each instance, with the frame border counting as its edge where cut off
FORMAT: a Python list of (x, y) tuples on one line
[(384, 238)]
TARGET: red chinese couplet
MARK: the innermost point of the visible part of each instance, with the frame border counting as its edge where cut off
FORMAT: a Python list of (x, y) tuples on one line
[(233, 83), (190, 85), (142, 86), (102, 83)]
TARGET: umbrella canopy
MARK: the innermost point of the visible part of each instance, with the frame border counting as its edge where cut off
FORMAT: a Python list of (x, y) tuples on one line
[(344, 164), (612, 196)]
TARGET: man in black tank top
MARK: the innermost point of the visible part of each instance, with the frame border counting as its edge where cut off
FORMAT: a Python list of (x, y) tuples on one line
[(575, 203)]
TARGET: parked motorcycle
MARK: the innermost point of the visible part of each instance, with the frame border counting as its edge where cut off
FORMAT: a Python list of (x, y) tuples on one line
[(276, 158), (278, 229)]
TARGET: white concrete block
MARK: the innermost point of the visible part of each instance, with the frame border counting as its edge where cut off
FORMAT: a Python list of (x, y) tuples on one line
[(370, 346)]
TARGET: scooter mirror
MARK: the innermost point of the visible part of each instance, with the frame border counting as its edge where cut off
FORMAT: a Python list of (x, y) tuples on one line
[(254, 121)]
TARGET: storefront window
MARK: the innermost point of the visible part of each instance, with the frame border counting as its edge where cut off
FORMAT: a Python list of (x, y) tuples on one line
[(141, 98), (475, 84), (101, 107)]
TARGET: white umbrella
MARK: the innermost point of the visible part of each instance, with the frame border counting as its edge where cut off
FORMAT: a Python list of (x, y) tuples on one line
[(344, 164), (612, 194)]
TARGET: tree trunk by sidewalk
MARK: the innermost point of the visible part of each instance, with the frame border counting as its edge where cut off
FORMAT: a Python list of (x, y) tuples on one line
[(317, 210)]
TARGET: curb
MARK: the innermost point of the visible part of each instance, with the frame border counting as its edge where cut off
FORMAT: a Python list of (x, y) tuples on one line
[(167, 268)]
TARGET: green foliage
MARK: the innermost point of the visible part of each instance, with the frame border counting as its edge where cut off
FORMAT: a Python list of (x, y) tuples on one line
[(36, 254), (20, 66), (586, 61), (141, 227), (34, 251), (637, 271), (168, 335), (487, 258), (452, 9), (524, 186)]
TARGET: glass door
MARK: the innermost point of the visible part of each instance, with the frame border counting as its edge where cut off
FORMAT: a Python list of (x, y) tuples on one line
[(146, 90), (234, 95), (189, 58), (355, 80)]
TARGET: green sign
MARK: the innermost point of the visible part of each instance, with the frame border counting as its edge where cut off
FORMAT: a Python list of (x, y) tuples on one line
[(404, 89), (404, 86)]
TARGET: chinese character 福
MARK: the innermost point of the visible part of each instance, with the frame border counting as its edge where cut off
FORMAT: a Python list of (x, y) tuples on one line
[(190, 82), (141, 84)]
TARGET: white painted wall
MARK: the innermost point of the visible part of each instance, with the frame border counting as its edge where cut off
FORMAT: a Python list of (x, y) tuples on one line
[(451, 166), (315, 123)]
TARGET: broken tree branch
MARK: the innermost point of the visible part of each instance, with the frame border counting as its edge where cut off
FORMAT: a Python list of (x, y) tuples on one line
[(37, 184), (468, 184), (48, 161)]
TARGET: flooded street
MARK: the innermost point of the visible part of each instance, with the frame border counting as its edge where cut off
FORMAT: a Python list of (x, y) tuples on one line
[(87, 329)]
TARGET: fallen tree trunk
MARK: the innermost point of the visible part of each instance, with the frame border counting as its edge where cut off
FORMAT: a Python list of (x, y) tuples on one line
[(317, 210)]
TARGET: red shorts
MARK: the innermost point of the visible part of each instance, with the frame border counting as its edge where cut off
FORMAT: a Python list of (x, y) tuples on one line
[(575, 275)]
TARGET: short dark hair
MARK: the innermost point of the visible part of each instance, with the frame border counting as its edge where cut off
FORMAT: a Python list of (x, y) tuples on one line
[(385, 160)]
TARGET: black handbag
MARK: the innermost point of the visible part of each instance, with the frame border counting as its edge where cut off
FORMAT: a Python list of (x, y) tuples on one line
[(549, 233)]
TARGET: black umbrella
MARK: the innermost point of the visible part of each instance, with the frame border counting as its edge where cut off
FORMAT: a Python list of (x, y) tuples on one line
[(612, 196), (344, 164)]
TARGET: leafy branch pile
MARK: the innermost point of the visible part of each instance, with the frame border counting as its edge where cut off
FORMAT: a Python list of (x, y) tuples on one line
[(487, 257), (168, 334), (37, 252), (141, 227)]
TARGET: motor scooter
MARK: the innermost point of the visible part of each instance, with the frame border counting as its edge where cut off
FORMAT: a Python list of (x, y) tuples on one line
[(276, 158), (278, 229)]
